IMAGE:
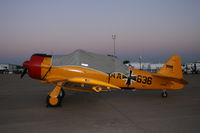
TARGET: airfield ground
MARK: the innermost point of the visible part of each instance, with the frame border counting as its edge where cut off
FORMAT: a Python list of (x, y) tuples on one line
[(23, 109)]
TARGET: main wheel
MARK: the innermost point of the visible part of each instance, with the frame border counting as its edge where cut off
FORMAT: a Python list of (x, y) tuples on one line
[(53, 101), (62, 93), (164, 94)]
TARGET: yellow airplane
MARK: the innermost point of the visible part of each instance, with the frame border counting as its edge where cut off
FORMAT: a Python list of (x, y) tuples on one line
[(87, 72)]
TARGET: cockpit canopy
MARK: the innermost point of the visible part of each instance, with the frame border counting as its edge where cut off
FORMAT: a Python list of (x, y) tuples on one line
[(103, 63)]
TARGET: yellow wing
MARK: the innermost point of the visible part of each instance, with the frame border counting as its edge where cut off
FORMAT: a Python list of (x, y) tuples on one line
[(82, 84)]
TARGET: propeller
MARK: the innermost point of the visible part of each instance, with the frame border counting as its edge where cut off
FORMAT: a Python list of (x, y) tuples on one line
[(25, 65), (24, 72)]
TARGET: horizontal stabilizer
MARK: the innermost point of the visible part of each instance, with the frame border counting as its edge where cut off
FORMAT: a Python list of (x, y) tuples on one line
[(179, 80)]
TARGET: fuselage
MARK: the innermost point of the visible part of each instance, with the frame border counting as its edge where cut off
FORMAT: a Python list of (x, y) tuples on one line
[(140, 79), (42, 68)]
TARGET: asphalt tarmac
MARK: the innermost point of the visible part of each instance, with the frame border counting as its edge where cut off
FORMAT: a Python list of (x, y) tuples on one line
[(23, 109)]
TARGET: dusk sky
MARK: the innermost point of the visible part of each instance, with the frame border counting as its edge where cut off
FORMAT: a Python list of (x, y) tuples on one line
[(154, 29)]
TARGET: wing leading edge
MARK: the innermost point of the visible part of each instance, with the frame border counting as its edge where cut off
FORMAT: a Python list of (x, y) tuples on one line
[(82, 84)]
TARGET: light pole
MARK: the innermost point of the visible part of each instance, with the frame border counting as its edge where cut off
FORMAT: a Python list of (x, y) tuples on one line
[(114, 37), (140, 59)]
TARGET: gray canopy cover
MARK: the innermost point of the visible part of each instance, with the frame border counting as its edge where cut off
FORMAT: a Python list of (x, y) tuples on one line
[(106, 64)]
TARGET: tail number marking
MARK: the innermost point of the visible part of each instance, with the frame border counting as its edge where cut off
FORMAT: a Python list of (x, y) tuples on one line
[(144, 79)]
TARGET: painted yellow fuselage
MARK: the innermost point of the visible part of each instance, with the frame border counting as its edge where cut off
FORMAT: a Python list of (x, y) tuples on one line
[(143, 80)]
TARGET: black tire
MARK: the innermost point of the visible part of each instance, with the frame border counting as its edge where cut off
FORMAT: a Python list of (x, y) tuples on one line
[(62, 93), (164, 94), (53, 105)]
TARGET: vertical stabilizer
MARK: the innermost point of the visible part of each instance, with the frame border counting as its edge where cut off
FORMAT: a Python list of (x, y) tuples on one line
[(172, 68)]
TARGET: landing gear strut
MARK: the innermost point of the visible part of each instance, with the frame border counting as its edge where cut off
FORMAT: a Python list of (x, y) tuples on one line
[(54, 99), (164, 94)]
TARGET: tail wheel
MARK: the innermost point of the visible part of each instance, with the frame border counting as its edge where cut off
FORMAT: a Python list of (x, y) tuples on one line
[(164, 94), (53, 101), (62, 93)]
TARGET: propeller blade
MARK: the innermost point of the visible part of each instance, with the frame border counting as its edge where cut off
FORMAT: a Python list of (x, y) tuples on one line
[(24, 72)]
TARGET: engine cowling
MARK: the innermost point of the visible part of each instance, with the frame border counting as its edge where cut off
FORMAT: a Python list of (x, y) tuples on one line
[(34, 65)]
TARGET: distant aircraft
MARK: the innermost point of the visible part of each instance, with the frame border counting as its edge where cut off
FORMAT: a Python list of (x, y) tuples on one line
[(87, 72)]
